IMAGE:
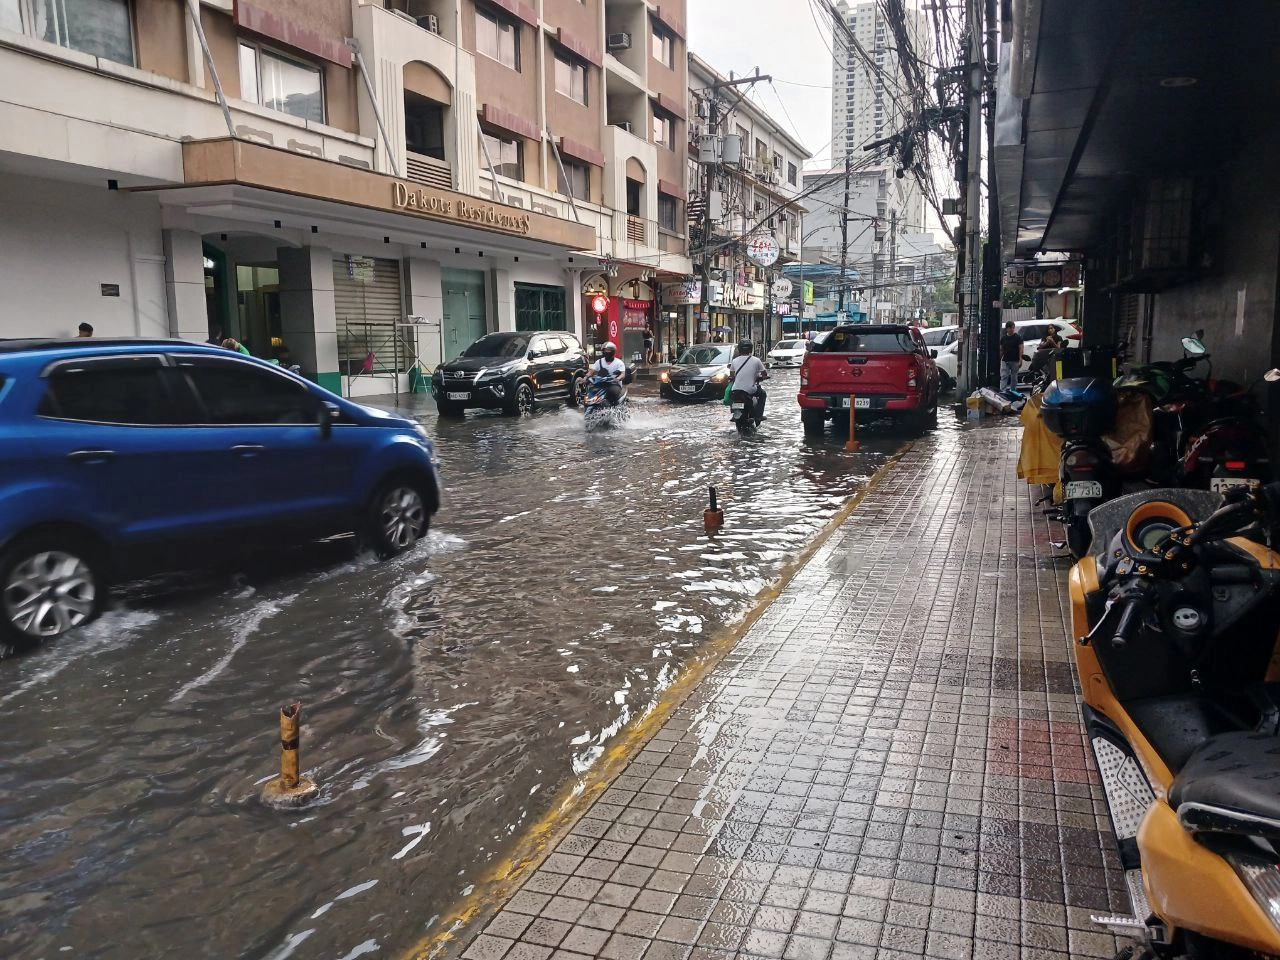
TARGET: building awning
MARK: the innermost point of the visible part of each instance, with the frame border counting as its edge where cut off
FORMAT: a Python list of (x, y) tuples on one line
[(1099, 97), (219, 174)]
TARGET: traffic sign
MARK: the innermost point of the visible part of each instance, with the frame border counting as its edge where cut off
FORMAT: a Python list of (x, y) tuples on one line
[(599, 303)]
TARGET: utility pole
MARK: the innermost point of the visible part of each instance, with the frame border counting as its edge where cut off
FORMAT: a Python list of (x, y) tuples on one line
[(893, 263), (992, 275), (973, 201), (844, 234)]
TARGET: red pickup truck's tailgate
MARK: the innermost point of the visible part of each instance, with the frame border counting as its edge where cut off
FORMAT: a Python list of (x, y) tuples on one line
[(868, 373)]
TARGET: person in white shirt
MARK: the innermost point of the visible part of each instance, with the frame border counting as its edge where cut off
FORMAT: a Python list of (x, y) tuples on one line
[(610, 366), (747, 372)]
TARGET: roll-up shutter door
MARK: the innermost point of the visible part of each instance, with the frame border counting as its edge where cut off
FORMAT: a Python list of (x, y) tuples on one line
[(366, 295)]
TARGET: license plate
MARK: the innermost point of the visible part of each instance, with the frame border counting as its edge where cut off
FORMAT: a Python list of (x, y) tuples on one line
[(738, 406), (686, 388), (457, 396), (1083, 490), (1223, 484), (862, 403)]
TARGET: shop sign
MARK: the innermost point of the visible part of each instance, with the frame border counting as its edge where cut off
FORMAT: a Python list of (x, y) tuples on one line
[(676, 294), (1033, 275), (360, 269), (782, 287), (763, 249), (636, 313), (599, 303), (429, 203)]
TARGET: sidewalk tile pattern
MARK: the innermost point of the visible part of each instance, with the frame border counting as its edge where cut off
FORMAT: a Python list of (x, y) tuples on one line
[(890, 764)]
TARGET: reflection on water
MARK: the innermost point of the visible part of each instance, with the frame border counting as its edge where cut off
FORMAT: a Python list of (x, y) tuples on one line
[(447, 694)]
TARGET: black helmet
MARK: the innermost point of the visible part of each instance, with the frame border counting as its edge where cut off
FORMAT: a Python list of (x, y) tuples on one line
[(609, 348), (745, 346)]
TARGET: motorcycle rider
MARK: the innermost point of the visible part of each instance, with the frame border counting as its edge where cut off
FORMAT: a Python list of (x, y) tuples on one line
[(747, 372), (609, 366)]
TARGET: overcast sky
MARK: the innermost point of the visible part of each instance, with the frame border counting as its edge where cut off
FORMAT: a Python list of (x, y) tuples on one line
[(779, 37)]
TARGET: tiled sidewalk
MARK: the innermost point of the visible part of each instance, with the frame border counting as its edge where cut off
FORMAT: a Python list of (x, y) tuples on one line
[(889, 764)]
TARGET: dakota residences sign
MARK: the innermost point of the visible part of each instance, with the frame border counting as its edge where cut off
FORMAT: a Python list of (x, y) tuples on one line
[(414, 199)]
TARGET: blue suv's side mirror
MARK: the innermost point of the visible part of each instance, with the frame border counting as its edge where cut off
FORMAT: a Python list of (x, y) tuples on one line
[(328, 413)]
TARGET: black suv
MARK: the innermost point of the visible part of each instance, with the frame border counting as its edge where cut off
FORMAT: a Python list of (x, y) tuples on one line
[(511, 371)]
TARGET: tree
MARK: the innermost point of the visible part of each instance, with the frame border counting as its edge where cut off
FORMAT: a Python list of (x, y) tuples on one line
[(1017, 297)]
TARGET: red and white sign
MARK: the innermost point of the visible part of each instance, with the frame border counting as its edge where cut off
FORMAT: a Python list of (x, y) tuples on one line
[(763, 249), (599, 303)]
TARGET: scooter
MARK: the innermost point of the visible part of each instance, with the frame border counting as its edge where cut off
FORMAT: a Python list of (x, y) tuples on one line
[(744, 410), (1175, 613), (597, 408), (1081, 410)]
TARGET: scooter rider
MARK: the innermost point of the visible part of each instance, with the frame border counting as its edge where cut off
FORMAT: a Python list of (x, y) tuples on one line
[(614, 369), (748, 371)]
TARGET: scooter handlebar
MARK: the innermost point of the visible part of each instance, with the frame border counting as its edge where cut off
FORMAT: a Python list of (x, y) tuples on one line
[(1130, 620)]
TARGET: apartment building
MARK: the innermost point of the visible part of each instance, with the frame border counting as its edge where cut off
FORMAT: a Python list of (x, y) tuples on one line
[(374, 184), (748, 170)]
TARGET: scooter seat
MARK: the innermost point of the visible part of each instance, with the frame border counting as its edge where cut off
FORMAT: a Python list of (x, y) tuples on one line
[(1231, 782)]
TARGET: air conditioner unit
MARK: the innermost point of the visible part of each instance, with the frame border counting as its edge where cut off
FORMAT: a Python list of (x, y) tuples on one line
[(624, 125), (429, 22), (618, 41)]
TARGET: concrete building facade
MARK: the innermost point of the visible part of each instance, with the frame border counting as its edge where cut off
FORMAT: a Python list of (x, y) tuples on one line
[(372, 184), (752, 187)]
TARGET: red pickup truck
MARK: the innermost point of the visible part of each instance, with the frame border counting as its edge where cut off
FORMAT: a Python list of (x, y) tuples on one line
[(877, 369)]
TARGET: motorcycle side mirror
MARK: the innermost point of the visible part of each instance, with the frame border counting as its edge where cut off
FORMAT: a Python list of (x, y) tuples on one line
[(1194, 347), (1272, 375)]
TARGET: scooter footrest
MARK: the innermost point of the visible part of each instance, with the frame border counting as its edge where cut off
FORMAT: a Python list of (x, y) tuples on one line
[(1120, 924)]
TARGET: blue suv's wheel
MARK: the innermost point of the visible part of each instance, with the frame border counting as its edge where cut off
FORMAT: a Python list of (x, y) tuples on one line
[(49, 584), (398, 516)]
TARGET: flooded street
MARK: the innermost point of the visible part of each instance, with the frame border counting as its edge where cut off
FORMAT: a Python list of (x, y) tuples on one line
[(447, 694)]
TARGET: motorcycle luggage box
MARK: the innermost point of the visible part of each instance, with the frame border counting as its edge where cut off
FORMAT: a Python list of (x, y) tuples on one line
[(1079, 407)]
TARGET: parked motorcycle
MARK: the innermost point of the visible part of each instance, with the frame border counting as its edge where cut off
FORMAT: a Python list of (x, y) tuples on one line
[(744, 410), (1175, 613), (599, 408), (1081, 410), (1208, 433)]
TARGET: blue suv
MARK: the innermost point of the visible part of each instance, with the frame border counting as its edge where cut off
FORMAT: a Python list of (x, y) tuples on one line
[(120, 458)]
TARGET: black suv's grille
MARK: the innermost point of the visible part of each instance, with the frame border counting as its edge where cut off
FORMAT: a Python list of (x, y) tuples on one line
[(459, 375)]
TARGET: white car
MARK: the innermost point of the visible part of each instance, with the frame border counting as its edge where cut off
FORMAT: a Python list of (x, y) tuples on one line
[(786, 353), (943, 344)]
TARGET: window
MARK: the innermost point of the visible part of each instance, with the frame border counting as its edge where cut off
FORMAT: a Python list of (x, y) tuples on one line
[(668, 209), (762, 150), (123, 390), (503, 346), (539, 307), (498, 38), (423, 126), (662, 46), (279, 83), (571, 79), (506, 153), (845, 340), (792, 174), (575, 181), (102, 28), (663, 130), (234, 392)]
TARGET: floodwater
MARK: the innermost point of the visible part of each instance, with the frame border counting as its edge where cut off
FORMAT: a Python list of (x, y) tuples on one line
[(448, 694)]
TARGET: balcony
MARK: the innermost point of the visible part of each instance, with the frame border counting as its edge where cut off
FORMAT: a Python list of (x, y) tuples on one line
[(428, 171)]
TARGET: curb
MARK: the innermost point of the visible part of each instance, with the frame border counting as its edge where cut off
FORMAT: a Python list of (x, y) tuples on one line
[(571, 802)]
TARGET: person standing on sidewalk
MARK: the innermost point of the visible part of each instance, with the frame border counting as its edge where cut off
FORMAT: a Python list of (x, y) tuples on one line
[(1010, 357)]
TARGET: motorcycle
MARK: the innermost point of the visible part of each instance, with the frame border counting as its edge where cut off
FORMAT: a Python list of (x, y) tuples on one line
[(597, 407), (744, 410), (1175, 613), (1208, 433), (1081, 410)]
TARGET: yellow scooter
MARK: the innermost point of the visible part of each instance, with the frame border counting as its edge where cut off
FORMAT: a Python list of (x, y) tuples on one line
[(1176, 617)]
